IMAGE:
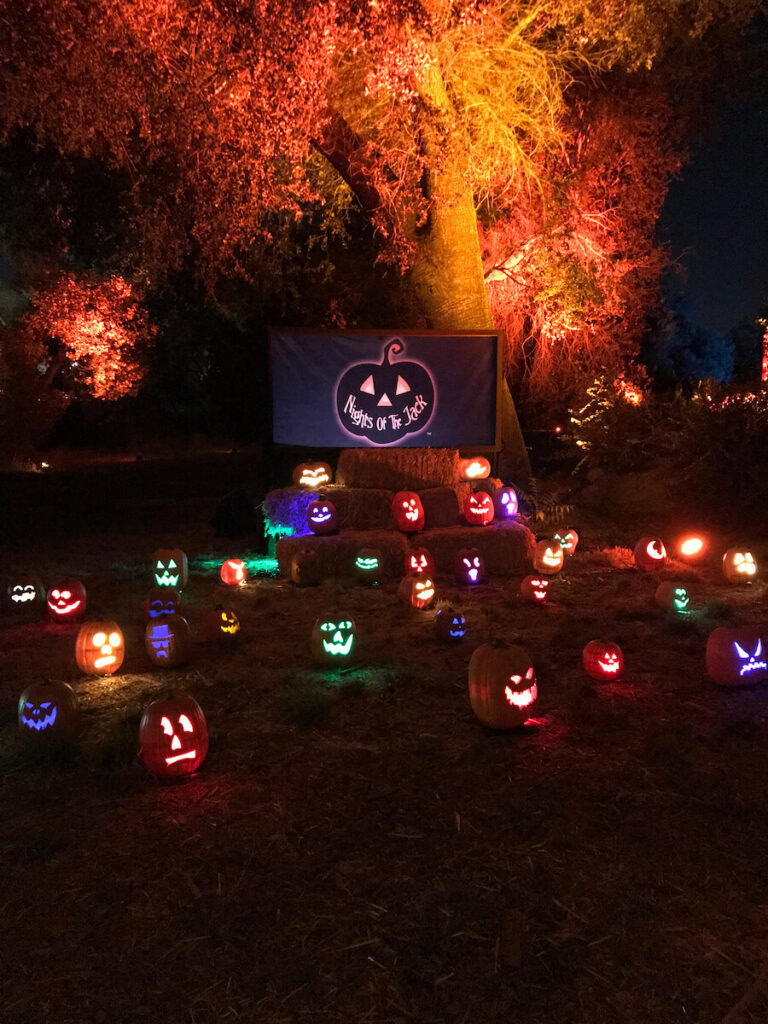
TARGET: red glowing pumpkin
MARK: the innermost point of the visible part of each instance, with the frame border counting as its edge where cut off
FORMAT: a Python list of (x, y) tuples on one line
[(419, 562), (321, 517), (234, 572), (173, 736), (408, 512), (535, 588), (66, 600), (602, 660), (478, 510), (650, 554)]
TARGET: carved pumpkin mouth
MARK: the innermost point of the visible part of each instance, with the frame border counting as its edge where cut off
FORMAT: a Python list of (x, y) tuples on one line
[(611, 664), (107, 658), (321, 517), (28, 594), (752, 665), (367, 563), (63, 609), (338, 646), (412, 514), (473, 574), (34, 721), (474, 470), (166, 579), (188, 756), (550, 559), (314, 477), (521, 698), (426, 594)]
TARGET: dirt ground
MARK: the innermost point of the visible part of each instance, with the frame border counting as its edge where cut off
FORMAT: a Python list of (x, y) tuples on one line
[(357, 847)]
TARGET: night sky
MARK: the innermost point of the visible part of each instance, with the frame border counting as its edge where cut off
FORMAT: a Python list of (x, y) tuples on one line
[(716, 220)]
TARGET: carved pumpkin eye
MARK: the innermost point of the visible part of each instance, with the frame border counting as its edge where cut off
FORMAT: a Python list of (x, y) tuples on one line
[(167, 727), (99, 639), (114, 639), (185, 723), (66, 595)]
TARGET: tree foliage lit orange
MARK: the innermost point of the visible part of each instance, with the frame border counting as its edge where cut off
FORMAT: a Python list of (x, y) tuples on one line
[(101, 328)]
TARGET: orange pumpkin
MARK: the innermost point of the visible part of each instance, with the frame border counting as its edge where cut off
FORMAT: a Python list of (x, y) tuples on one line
[(312, 474), (476, 468), (99, 648), (502, 685), (548, 557), (650, 554), (739, 565), (417, 591), (234, 572)]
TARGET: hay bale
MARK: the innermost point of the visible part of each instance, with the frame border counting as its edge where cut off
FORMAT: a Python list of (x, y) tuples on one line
[(285, 510), (398, 469), (441, 506), (337, 552), (506, 547)]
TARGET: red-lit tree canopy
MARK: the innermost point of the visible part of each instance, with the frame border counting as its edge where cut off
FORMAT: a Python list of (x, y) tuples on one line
[(226, 112)]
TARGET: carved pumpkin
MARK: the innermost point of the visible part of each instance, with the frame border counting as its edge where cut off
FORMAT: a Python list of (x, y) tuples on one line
[(66, 600), (450, 624), (672, 596), (548, 557), (735, 657), (25, 596), (568, 540), (692, 547), (505, 503), (305, 568), (469, 566), (502, 685), (419, 562), (170, 568), (739, 565), (48, 713), (417, 591), (478, 510), (368, 566), (221, 625), (234, 572), (385, 401), (99, 648), (167, 640), (333, 640), (650, 554), (161, 601), (310, 475), (602, 660), (477, 468), (408, 512), (173, 736), (535, 588), (321, 517)]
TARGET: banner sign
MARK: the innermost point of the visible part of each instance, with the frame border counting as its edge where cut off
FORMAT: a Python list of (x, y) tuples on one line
[(356, 389)]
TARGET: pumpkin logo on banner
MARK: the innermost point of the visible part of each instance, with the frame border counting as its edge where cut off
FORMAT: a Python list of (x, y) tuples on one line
[(384, 401)]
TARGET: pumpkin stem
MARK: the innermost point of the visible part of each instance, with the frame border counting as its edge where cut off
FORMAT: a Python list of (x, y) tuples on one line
[(395, 344), (497, 642)]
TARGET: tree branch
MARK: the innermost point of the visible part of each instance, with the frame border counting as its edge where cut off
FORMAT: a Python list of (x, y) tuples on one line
[(342, 148)]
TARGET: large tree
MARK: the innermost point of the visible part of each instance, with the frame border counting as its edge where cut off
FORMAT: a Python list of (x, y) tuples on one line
[(222, 112)]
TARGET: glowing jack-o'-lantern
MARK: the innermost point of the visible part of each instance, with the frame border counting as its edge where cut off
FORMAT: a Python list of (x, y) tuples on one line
[(672, 596), (66, 600), (333, 640), (321, 517), (170, 568), (477, 468), (221, 625), (417, 591), (505, 503), (548, 557), (568, 541), (408, 512), (419, 562), (173, 736), (305, 568), (650, 554), (478, 510), (167, 640), (368, 567), (735, 657), (99, 648), (739, 565), (312, 474), (450, 624), (25, 595), (161, 601), (602, 660), (535, 588), (234, 572), (470, 566), (502, 685), (48, 712), (692, 547)]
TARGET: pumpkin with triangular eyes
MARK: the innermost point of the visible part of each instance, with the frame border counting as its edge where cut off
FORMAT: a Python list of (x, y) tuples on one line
[(470, 566), (173, 736), (568, 540), (419, 562), (548, 557), (408, 512), (735, 657), (478, 510), (221, 625), (739, 565), (417, 591), (48, 713), (99, 648), (66, 600), (450, 624), (535, 588), (502, 685), (170, 568), (650, 554), (602, 660), (321, 517)]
